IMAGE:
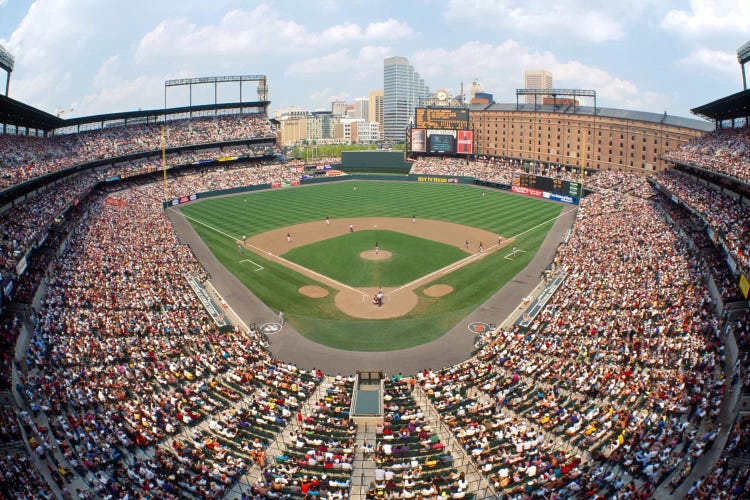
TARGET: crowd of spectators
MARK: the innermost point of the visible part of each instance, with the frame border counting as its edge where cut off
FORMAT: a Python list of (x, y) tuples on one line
[(19, 478), (622, 365), (486, 168), (728, 479), (130, 169), (712, 258), (318, 456), (25, 224), (730, 475), (410, 459), (123, 357), (25, 157), (605, 180), (726, 150), (10, 327), (726, 214), (27, 221), (614, 384)]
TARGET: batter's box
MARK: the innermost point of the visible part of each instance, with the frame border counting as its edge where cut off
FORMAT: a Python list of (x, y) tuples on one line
[(260, 268), (513, 253)]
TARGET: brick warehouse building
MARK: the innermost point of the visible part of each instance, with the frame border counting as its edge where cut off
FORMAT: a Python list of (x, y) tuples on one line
[(615, 139)]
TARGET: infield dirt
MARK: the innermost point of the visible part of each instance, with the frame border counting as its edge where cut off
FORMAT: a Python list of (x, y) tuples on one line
[(357, 302)]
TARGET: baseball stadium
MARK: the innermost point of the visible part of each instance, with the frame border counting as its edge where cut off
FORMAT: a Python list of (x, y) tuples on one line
[(554, 308)]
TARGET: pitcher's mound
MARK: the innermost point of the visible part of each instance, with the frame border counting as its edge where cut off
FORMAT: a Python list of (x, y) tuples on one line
[(312, 291), (438, 290), (371, 255)]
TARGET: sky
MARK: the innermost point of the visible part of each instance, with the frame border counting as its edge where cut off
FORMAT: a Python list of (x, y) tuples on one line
[(83, 57)]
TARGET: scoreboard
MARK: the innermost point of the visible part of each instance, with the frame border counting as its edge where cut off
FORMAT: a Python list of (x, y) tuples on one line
[(442, 118), (557, 186)]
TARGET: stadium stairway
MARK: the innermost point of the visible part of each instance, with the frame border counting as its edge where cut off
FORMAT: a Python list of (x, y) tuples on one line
[(278, 445), (479, 485), (364, 467)]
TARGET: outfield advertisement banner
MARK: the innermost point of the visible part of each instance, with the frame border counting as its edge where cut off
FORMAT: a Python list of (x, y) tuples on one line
[(527, 191), (560, 197), (419, 140), (465, 142), (537, 193), (439, 180), (183, 199)]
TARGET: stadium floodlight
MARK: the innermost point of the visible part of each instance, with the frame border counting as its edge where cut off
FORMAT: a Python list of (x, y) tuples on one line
[(6, 62), (6, 59), (215, 80), (743, 56), (743, 53)]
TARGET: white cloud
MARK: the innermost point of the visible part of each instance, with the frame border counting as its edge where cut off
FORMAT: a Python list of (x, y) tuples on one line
[(719, 17), (716, 60), (390, 29), (259, 31), (368, 61), (324, 97), (597, 21), (500, 69), (335, 62), (120, 94), (48, 45), (3, 3)]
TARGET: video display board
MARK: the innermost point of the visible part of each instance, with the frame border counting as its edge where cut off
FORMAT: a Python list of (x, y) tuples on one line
[(442, 118), (441, 142)]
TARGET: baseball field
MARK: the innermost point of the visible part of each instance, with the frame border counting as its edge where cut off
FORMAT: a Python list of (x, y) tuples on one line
[(322, 253)]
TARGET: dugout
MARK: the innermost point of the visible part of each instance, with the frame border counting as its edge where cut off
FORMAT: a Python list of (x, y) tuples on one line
[(376, 162)]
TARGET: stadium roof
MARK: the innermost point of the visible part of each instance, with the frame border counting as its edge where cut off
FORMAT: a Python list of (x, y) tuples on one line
[(16, 113), (129, 115), (732, 106), (644, 116)]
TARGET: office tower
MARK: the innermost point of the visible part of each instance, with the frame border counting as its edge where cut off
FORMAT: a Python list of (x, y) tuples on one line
[(362, 108), (376, 108), (403, 90), (338, 108), (536, 79)]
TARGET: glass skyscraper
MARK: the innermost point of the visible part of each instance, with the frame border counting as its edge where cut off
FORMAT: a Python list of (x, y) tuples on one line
[(403, 90)]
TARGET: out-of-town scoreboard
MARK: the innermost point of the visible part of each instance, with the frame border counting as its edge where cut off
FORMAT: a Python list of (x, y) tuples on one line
[(442, 118), (557, 186)]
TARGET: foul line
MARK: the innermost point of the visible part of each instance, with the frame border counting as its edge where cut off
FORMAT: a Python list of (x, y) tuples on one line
[(545, 222), (289, 263), (466, 260), (210, 227)]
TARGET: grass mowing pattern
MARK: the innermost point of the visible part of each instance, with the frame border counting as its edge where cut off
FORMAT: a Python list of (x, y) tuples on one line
[(319, 319), (338, 258)]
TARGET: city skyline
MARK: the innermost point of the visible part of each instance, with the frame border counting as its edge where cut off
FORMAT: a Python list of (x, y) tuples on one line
[(86, 57)]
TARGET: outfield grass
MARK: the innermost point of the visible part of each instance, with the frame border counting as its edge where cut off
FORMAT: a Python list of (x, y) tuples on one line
[(338, 258), (319, 319)]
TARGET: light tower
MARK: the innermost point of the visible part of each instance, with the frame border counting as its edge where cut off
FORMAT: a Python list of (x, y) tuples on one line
[(743, 56), (6, 63)]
